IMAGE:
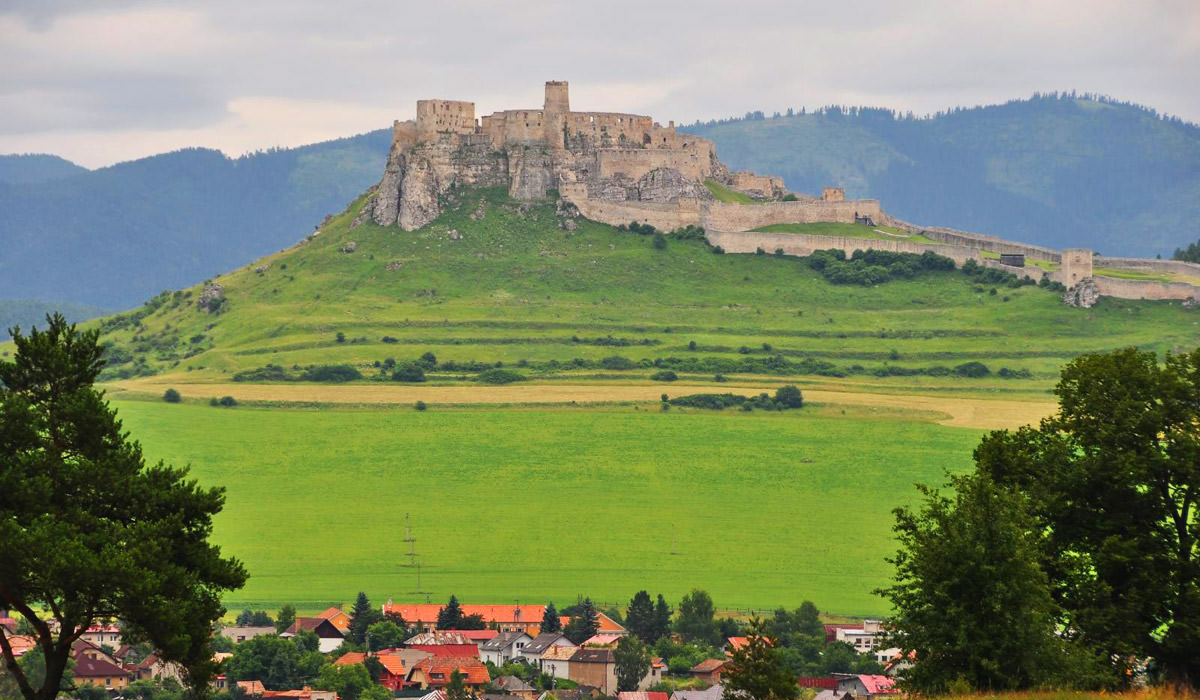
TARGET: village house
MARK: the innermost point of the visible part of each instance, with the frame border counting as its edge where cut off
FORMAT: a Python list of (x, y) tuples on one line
[(504, 647), (532, 653), (862, 637), (435, 672), (642, 695), (101, 635), (21, 643), (602, 640), (713, 692), (595, 666), (511, 685), (395, 669), (305, 693), (867, 686), (337, 617), (504, 618), (241, 634), (555, 661), (709, 670), (443, 644), (153, 668), (330, 636), (8, 622), (95, 667)]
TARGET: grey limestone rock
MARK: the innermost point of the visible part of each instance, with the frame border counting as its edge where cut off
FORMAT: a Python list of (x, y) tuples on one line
[(1083, 295)]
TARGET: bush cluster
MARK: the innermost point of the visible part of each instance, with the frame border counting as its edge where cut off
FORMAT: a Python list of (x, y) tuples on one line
[(991, 275), (869, 267), (499, 376), (330, 373), (786, 397)]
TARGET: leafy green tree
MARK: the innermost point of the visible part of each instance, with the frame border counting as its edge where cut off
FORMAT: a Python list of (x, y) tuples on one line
[(307, 641), (362, 616), (970, 596), (450, 617), (639, 617), (375, 692), (662, 618), (456, 689), (74, 490), (1113, 481), (788, 396), (584, 623), (1188, 254), (287, 615), (348, 681), (550, 620), (756, 670), (279, 663), (696, 618), (172, 396), (808, 620), (386, 635), (632, 661)]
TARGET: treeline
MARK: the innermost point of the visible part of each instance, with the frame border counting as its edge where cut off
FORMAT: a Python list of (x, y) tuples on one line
[(1188, 254)]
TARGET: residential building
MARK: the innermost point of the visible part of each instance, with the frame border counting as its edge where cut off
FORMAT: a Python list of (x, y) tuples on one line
[(253, 689), (330, 636), (512, 685), (867, 686), (336, 616), (99, 670), (504, 647), (21, 643), (241, 634), (734, 643), (154, 668), (555, 661), (305, 693), (709, 670), (642, 695), (7, 622), (505, 618), (102, 635), (594, 666), (863, 637), (395, 670), (533, 651), (602, 640), (435, 672), (714, 692), (832, 695), (443, 643)]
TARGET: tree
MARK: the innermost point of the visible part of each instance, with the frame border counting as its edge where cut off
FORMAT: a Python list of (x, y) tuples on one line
[(279, 663), (695, 622), (550, 620), (362, 616), (756, 671), (1188, 254), (808, 620), (1113, 481), (451, 616), (172, 396), (348, 681), (584, 623), (287, 615), (73, 490), (632, 661), (662, 618), (970, 597), (386, 635), (456, 689), (788, 396), (639, 618)]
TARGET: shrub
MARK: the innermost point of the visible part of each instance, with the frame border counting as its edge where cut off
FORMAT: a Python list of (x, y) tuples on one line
[(718, 250), (330, 373), (227, 401), (759, 251), (389, 339), (172, 396), (340, 337), (266, 373), (665, 375), (972, 369), (660, 241), (720, 378), (499, 376), (420, 405), (408, 372), (428, 360), (617, 362), (788, 396)]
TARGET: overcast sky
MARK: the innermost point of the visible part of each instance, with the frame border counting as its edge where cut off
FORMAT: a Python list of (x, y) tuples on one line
[(100, 81)]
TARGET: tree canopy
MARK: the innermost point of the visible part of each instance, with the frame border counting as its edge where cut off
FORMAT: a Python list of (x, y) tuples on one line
[(584, 622), (550, 621), (756, 671), (89, 532), (632, 661)]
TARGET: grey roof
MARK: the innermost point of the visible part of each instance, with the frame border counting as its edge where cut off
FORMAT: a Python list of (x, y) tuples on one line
[(512, 684), (713, 693), (501, 641), (542, 642), (592, 655)]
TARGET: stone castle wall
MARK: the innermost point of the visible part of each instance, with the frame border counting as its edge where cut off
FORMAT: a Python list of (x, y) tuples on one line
[(1145, 289), (444, 116), (663, 216), (762, 186), (692, 163), (724, 216), (1150, 265)]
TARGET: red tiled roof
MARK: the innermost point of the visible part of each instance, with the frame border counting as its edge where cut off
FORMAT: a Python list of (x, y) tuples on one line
[(708, 666), (478, 635), (504, 614), (642, 696), (350, 658), (877, 685), (251, 687), (472, 669), (21, 643), (337, 617), (737, 642), (393, 664), (87, 667), (602, 640)]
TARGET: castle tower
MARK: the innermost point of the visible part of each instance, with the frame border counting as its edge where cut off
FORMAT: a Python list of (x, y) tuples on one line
[(556, 107), (1076, 265)]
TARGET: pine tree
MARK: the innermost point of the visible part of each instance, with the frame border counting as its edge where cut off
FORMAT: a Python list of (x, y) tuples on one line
[(584, 624), (639, 618), (362, 617), (451, 616), (662, 618), (550, 621)]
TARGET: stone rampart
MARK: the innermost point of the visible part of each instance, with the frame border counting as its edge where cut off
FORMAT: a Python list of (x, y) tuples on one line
[(693, 164), (441, 116), (663, 216), (992, 243), (1149, 264), (724, 216), (803, 245), (1145, 289)]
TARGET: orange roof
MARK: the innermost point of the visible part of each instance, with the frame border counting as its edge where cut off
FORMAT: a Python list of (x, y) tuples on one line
[(393, 664), (708, 665), (338, 617), (472, 669), (602, 640), (737, 642), (607, 624), (251, 687), (504, 614), (350, 658), (21, 643)]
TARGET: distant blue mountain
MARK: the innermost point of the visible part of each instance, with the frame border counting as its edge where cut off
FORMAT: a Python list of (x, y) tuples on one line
[(36, 167)]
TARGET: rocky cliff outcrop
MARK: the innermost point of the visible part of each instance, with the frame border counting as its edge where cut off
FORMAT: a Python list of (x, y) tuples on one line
[(1083, 295)]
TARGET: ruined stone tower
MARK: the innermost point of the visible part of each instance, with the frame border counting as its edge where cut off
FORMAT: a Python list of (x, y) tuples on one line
[(1076, 265), (556, 107)]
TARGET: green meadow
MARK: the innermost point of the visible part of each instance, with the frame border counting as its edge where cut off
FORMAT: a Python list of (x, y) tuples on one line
[(760, 509)]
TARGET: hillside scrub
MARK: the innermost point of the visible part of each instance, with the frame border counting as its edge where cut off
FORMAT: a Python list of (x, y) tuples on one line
[(499, 376), (785, 397), (872, 267)]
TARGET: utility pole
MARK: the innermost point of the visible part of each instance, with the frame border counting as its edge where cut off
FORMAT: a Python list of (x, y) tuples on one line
[(412, 542)]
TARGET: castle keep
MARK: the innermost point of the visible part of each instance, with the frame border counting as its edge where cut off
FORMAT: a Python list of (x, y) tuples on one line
[(614, 167)]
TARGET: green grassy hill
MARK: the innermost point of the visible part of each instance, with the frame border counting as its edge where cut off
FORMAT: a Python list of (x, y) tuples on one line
[(575, 481), (514, 288)]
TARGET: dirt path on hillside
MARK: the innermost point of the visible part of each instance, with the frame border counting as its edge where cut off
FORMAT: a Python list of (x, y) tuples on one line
[(958, 411)]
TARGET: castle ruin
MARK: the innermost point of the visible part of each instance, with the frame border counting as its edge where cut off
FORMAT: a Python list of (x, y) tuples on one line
[(614, 167)]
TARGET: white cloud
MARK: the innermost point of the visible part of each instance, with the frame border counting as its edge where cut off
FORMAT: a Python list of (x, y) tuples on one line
[(104, 81)]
